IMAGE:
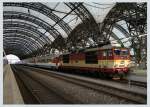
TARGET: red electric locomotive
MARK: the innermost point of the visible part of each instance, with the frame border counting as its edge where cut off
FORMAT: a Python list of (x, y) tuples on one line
[(107, 60)]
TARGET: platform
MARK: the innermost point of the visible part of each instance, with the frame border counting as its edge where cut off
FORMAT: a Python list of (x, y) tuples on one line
[(11, 91)]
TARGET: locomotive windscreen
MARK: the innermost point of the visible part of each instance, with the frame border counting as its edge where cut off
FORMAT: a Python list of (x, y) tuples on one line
[(124, 52), (121, 51), (91, 57)]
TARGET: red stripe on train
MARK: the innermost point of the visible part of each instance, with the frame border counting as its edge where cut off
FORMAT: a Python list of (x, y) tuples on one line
[(107, 70)]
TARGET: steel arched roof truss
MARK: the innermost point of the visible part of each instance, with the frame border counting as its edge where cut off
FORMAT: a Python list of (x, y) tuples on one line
[(129, 12), (121, 11), (12, 37), (23, 45), (19, 39), (28, 17), (43, 9), (26, 48), (135, 16), (27, 28), (34, 50), (14, 50), (14, 33), (14, 46), (87, 19)]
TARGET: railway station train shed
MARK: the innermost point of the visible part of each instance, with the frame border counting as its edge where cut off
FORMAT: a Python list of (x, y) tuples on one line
[(40, 29), (36, 29)]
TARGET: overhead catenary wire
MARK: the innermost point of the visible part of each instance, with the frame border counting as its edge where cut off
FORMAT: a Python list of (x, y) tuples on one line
[(97, 6), (103, 3), (56, 5), (130, 37)]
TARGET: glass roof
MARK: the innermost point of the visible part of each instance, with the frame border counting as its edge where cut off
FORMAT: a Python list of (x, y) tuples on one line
[(54, 19), (99, 11)]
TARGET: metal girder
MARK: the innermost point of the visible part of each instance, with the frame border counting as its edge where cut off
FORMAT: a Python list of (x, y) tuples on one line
[(72, 9), (22, 25), (39, 7), (122, 11), (121, 29), (28, 17), (74, 39), (16, 47), (80, 33), (23, 45), (37, 38), (33, 46), (59, 43), (136, 20), (81, 11), (15, 33), (26, 33), (47, 11), (135, 16), (56, 43), (15, 52), (24, 42), (19, 30), (18, 54), (87, 19), (117, 38)]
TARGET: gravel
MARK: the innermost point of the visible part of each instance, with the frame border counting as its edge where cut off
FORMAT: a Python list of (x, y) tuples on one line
[(75, 93)]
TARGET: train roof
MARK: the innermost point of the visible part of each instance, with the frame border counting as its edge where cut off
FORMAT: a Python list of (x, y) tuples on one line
[(94, 49), (97, 48)]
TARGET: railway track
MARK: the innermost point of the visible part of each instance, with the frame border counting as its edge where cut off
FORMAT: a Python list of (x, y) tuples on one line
[(127, 95), (38, 91), (132, 83), (25, 92), (123, 81)]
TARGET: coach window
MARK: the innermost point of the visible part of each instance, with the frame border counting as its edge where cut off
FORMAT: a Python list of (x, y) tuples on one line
[(105, 53)]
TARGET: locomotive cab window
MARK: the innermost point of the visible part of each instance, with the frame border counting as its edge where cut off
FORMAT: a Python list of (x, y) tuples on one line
[(124, 52), (121, 52), (66, 58), (117, 51), (110, 53), (91, 57)]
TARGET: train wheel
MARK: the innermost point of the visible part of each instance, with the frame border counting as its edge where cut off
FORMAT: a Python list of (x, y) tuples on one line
[(116, 76), (102, 75), (96, 74), (99, 74), (122, 75), (59, 69)]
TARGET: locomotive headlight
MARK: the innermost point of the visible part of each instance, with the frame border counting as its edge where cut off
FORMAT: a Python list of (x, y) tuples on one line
[(116, 65), (122, 62)]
